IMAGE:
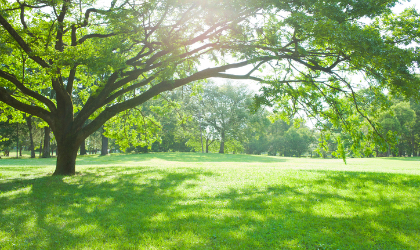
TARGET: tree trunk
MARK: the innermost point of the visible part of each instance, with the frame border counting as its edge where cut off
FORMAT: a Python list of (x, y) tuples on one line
[(222, 147), (46, 149), (66, 159), (222, 143), (83, 148), (412, 147), (104, 149), (31, 138), (17, 140), (68, 144)]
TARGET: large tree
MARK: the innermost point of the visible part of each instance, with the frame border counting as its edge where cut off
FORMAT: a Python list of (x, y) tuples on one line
[(127, 52)]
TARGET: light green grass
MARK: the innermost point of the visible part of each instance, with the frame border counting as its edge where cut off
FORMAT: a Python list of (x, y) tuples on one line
[(211, 201)]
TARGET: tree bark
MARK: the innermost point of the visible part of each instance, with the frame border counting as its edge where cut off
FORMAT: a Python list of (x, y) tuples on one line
[(222, 143), (31, 138), (68, 143), (83, 148), (52, 147), (222, 147), (17, 140), (66, 159), (46, 149), (104, 149)]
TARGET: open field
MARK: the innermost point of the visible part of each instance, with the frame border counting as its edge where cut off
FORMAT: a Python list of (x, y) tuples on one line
[(211, 201)]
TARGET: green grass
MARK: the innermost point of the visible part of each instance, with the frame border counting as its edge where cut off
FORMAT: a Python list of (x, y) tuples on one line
[(210, 201)]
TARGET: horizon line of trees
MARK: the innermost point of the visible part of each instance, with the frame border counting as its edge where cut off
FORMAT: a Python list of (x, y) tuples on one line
[(221, 118)]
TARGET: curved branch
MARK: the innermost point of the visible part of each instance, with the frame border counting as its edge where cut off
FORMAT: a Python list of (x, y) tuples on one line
[(11, 78), (90, 36), (22, 20), (239, 77), (59, 45), (33, 110), (6, 25), (70, 81), (128, 89), (109, 112)]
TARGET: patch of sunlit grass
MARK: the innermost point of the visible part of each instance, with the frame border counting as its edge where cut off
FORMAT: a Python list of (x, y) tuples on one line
[(195, 201)]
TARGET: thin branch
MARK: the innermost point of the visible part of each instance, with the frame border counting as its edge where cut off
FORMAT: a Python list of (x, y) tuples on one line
[(353, 94), (239, 77), (22, 19), (144, 116), (90, 36)]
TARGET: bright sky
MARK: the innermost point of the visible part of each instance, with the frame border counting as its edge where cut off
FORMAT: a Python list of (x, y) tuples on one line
[(405, 4)]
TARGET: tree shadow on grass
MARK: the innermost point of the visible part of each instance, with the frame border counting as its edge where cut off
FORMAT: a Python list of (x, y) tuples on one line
[(28, 162), (67, 212), (366, 211), (145, 208)]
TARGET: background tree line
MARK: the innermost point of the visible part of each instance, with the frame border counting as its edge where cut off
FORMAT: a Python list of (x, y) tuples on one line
[(223, 118)]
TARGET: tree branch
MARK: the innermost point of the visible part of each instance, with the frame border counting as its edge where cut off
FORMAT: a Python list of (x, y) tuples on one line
[(22, 19), (11, 78), (70, 80), (33, 110), (59, 44), (128, 89), (90, 36), (6, 25)]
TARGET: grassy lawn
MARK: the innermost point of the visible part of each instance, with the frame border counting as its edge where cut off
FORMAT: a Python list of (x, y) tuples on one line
[(210, 201)]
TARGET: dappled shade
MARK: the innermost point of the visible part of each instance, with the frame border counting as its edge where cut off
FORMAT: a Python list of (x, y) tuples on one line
[(212, 208)]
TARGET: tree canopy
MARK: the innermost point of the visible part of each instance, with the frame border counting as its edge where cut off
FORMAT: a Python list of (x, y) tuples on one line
[(68, 62)]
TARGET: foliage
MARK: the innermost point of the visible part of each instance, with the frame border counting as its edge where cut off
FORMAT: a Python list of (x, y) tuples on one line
[(131, 127), (12, 130), (400, 120), (68, 62), (222, 111), (297, 141)]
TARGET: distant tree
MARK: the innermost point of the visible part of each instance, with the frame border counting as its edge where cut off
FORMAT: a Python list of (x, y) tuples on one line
[(46, 146), (407, 119), (83, 148), (276, 133), (104, 144), (257, 135), (415, 138), (400, 120), (29, 122), (14, 134), (221, 112)]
